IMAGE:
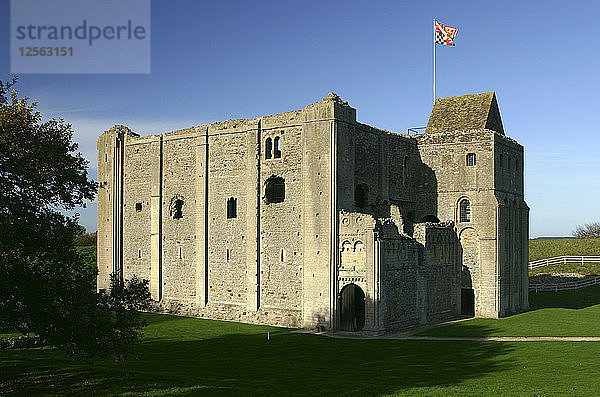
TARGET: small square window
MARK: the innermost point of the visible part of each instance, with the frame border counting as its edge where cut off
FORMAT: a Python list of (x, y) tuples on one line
[(471, 159), (138, 207)]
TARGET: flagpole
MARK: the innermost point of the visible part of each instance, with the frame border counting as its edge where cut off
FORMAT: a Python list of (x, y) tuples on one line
[(434, 60)]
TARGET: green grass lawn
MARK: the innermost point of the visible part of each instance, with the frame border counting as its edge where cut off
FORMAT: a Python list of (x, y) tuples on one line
[(564, 313), (184, 356), (542, 249)]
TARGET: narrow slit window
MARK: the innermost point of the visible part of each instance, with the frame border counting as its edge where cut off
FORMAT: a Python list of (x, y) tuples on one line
[(231, 208), (180, 252), (268, 148), (465, 210), (277, 147), (227, 255), (177, 209), (282, 255), (471, 159), (139, 253)]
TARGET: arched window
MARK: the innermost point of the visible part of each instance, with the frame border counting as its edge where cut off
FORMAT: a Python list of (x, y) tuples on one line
[(471, 159), (231, 208), (268, 148), (346, 246), (359, 246), (464, 210), (277, 147), (274, 190), (361, 195)]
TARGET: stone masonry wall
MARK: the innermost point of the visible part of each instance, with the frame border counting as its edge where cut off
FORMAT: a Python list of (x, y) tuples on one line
[(285, 263)]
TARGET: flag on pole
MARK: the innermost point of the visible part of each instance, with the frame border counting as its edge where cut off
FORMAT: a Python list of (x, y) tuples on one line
[(444, 35)]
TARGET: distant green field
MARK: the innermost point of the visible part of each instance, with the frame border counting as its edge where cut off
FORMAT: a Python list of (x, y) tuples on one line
[(565, 247)]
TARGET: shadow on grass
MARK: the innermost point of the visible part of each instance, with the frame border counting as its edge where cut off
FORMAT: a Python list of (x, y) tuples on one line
[(248, 364), (575, 299)]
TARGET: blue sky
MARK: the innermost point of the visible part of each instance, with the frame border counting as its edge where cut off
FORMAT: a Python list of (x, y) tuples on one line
[(218, 60)]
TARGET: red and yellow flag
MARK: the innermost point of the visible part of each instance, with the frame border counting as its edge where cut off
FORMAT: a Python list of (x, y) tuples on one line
[(444, 35)]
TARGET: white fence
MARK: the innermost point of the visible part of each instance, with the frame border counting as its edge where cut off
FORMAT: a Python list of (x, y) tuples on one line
[(564, 260), (565, 286)]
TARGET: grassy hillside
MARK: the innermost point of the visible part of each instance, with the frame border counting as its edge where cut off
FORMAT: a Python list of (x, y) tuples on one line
[(540, 249)]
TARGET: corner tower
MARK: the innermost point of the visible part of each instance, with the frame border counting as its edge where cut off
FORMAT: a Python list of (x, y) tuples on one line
[(479, 174)]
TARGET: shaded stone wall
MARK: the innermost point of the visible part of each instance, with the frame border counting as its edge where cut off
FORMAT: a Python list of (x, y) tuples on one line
[(442, 268), (407, 281)]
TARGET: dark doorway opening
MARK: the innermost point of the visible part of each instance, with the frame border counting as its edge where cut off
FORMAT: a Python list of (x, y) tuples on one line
[(361, 195), (467, 301), (352, 308)]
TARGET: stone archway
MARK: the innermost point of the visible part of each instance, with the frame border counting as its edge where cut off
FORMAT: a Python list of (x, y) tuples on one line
[(352, 308)]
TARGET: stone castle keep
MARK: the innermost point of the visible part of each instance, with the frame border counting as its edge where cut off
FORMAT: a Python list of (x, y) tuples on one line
[(312, 219)]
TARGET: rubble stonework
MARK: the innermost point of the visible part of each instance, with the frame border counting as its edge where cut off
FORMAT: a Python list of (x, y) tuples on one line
[(312, 219)]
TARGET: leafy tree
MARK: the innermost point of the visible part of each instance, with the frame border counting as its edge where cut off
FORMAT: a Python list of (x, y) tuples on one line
[(589, 230), (83, 238), (44, 286)]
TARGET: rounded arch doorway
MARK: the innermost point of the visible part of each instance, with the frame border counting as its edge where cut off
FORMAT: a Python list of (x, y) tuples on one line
[(352, 308)]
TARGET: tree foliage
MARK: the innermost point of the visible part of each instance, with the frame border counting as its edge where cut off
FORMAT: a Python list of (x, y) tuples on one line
[(83, 238), (45, 287), (589, 230)]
